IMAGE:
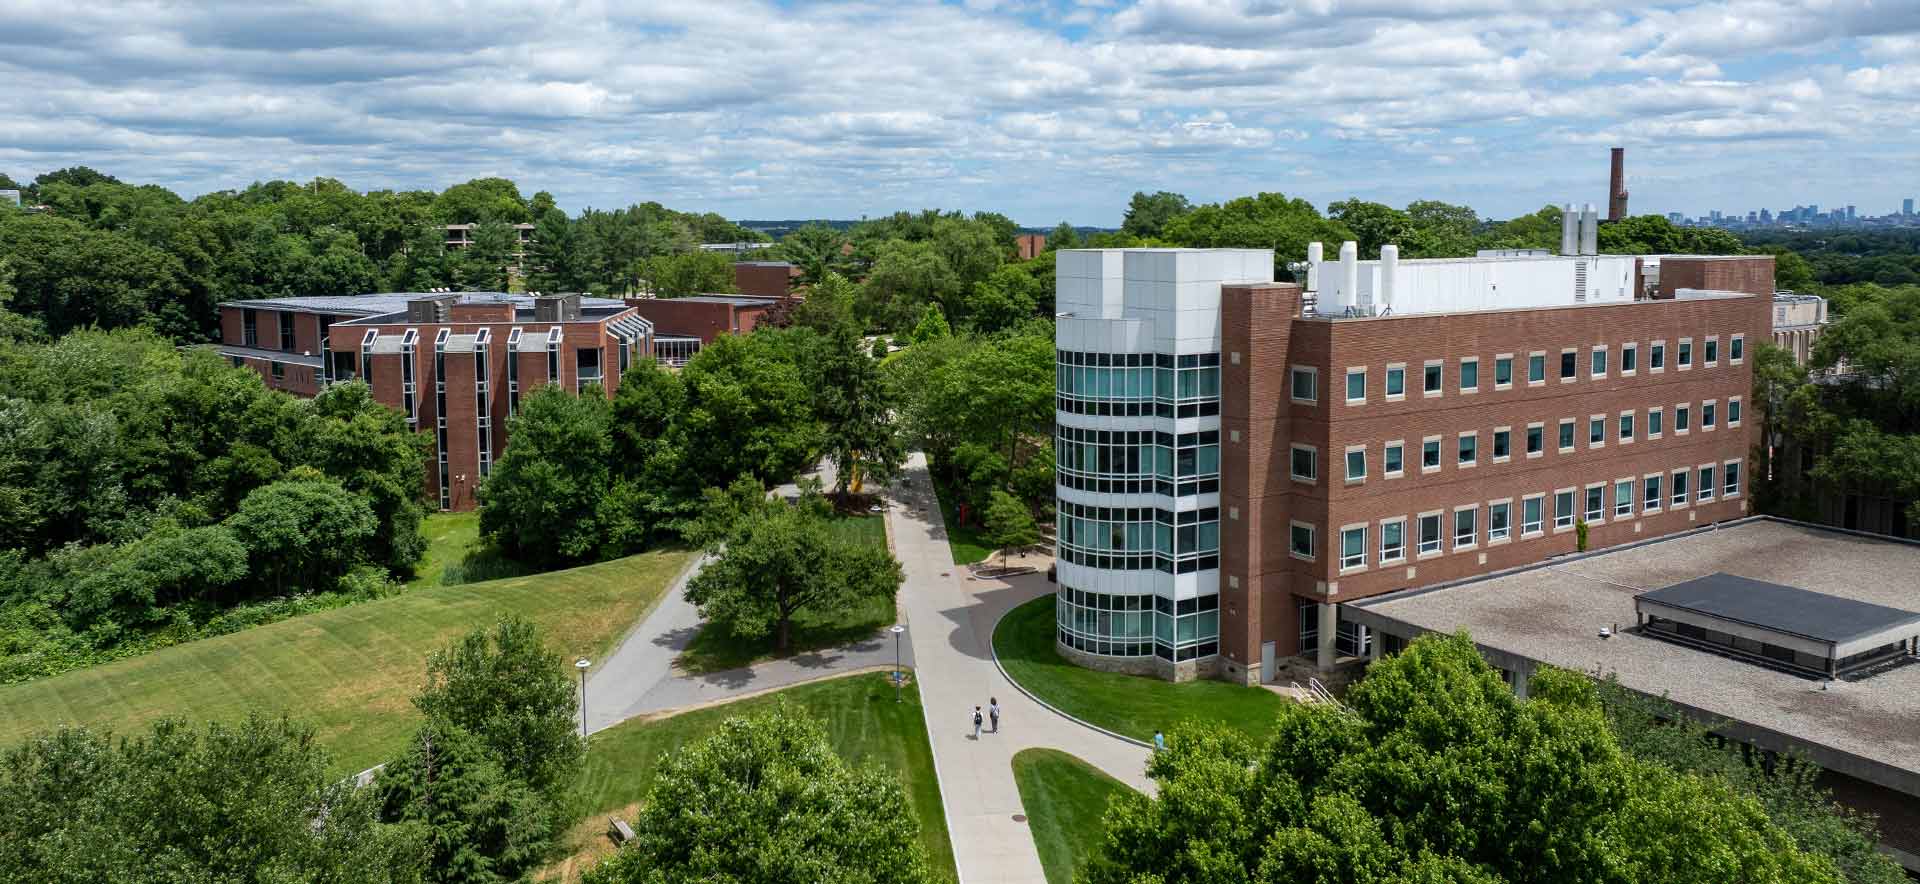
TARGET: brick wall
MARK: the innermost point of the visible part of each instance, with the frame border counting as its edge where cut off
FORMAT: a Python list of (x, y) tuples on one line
[(771, 280), (1752, 274), (231, 326), (674, 316)]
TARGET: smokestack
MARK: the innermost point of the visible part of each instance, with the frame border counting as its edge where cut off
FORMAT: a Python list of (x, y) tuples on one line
[(1617, 194), (1589, 230), (1569, 230), (1389, 268), (1349, 273), (1316, 254)]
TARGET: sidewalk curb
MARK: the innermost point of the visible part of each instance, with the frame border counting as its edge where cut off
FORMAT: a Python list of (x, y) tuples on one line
[(1044, 704)]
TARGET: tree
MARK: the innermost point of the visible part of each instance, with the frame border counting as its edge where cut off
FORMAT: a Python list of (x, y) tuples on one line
[(1004, 299), (855, 406), (540, 499), (1009, 524), (766, 799), (514, 694), (367, 448), (932, 325), (479, 200), (555, 264), (749, 412), (828, 304), (482, 826), (1265, 221), (1655, 235), (780, 559), (692, 273), (816, 249), (303, 532), (488, 262), (1064, 236), (1432, 770), (1373, 224), (1148, 215), (905, 277), (252, 801), (68, 276)]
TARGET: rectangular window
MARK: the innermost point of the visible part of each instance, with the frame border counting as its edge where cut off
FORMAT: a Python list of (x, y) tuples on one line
[(1655, 423), (1657, 358), (279, 370), (1393, 541), (1596, 510), (1737, 349), (1681, 418), (1733, 412), (1569, 364), (1502, 444), (1596, 431), (1706, 483), (1430, 453), (1530, 519), (1537, 367), (249, 328), (1629, 358), (1356, 386), (1306, 384), (1708, 414), (1435, 377), (1650, 496), (1499, 521), (286, 331), (1566, 435), (1626, 427), (1465, 527), (1469, 375), (1679, 488), (1623, 498), (1563, 509), (1686, 353), (1353, 547), (1429, 533), (1503, 371), (1357, 463), (1731, 472), (1301, 545), (1304, 467), (1394, 459), (1536, 439), (1469, 448), (1396, 380), (1598, 366), (1713, 350)]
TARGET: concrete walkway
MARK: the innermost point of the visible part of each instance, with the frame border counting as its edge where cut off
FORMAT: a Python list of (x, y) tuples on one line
[(950, 620)]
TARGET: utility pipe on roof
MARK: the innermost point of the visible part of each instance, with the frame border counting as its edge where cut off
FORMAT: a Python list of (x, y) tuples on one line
[(1316, 255), (1589, 230), (1349, 274), (1569, 230), (1389, 268)]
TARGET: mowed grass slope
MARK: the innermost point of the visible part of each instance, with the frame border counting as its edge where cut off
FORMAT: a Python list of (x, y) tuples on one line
[(350, 672), (1066, 803)]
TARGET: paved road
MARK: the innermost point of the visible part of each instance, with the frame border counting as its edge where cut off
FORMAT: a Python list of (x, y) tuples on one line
[(950, 620)]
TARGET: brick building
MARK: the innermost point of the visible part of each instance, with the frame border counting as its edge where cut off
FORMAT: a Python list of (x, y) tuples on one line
[(1238, 457), (689, 323), (455, 364), (770, 279), (1029, 245)]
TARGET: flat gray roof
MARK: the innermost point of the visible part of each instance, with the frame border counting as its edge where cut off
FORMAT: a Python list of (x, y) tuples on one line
[(1552, 613), (1776, 608), (396, 302)]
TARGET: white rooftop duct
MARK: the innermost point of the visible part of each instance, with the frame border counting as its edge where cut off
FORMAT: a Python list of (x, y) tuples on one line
[(1589, 230), (1316, 255), (1389, 268), (1349, 274), (1569, 230)]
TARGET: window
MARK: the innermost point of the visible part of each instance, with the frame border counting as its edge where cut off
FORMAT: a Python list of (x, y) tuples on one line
[(1503, 371), (1737, 349), (1469, 448), (1357, 463), (1731, 472), (1430, 453), (1597, 431), (1655, 420), (1563, 509), (1537, 367), (1598, 367), (279, 370), (1435, 377), (1681, 417), (1530, 520), (1394, 458), (249, 328), (1713, 350), (286, 331), (1466, 527), (1469, 375), (1502, 444), (1393, 541), (1686, 353), (1429, 533), (1657, 358), (1629, 358), (1733, 412), (1499, 521), (1569, 364), (1705, 485), (1356, 386), (1623, 498), (1396, 380), (1626, 427), (1707, 414), (1302, 544), (1566, 435), (1596, 510), (1536, 439), (1306, 384), (1679, 488), (1650, 498), (1353, 547), (1305, 468)]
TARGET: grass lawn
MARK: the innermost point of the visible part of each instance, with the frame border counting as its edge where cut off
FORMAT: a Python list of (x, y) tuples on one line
[(1127, 704), (1066, 802), (714, 650), (456, 554), (861, 718), (350, 672), (967, 542)]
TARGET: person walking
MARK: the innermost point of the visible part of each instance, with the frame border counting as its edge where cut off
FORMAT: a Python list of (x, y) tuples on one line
[(976, 722), (993, 711), (1159, 741)]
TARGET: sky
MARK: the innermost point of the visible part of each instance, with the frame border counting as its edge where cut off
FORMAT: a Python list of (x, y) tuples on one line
[(1044, 110)]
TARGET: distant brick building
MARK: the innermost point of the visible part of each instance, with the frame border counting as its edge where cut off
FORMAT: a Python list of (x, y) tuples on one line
[(769, 279), (1029, 245), (687, 324)]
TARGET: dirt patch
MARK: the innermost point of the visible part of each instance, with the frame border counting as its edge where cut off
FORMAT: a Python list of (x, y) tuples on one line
[(587, 844)]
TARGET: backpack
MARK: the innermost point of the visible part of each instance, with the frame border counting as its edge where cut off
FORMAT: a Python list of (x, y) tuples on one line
[(976, 717)]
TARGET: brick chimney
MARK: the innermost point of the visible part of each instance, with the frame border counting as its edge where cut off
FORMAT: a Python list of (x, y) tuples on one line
[(1617, 194)]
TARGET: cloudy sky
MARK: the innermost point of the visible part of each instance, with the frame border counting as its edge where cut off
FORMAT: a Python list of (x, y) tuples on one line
[(1042, 109)]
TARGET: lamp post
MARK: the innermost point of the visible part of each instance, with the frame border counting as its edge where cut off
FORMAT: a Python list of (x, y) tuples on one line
[(896, 629), (581, 665)]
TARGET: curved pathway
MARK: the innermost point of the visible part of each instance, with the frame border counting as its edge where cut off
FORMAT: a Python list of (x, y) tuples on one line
[(950, 620)]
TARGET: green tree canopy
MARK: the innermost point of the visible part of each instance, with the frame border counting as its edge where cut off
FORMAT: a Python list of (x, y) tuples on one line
[(1149, 214), (540, 499), (515, 694), (691, 273)]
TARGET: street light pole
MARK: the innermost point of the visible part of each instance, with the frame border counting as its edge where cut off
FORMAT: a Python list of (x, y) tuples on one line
[(896, 629), (581, 665)]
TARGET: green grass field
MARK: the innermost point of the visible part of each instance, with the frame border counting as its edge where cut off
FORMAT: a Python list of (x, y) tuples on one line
[(1066, 803), (1128, 704), (714, 650), (860, 716), (351, 672), (456, 554), (967, 542)]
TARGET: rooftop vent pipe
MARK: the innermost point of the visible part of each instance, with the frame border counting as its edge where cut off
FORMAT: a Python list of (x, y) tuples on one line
[(1569, 231), (1389, 268), (1316, 255), (1589, 230), (1349, 274)]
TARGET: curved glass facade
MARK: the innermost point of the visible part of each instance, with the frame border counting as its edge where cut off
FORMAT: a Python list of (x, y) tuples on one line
[(1137, 461), (1138, 625), (1138, 538), (1137, 384)]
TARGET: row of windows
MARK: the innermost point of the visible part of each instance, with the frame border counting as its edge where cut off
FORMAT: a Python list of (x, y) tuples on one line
[(1137, 384), (1599, 429), (1304, 380), (1138, 538), (1137, 461), (1138, 625), (1493, 522)]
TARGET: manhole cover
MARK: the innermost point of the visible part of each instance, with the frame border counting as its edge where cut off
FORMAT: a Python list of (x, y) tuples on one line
[(1019, 817)]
